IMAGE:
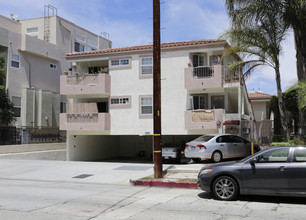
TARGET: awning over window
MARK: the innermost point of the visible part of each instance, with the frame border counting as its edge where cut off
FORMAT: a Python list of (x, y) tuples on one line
[(231, 122)]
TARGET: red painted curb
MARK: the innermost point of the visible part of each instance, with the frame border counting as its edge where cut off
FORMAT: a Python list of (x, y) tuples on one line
[(164, 183)]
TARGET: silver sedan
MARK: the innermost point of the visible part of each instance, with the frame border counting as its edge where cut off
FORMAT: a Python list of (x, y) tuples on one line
[(217, 147)]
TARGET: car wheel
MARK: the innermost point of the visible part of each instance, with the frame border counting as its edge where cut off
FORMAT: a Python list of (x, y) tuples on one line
[(216, 157), (225, 188)]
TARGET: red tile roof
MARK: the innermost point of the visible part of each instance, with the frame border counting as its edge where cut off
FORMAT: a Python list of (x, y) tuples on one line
[(258, 96), (147, 47)]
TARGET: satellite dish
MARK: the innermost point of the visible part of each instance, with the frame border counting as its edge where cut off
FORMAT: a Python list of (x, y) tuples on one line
[(14, 16)]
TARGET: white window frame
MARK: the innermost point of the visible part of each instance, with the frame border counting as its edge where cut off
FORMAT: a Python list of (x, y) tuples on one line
[(142, 104), (14, 59), (32, 30), (120, 101), (144, 64), (120, 63)]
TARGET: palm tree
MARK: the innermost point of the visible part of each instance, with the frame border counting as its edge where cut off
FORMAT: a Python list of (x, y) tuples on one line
[(290, 12), (260, 44), (300, 90)]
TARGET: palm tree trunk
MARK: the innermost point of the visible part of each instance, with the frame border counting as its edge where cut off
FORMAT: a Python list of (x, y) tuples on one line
[(280, 102), (300, 46)]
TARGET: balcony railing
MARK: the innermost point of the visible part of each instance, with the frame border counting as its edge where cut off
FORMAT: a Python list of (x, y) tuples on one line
[(203, 119), (204, 77), (203, 72), (88, 84), (84, 116)]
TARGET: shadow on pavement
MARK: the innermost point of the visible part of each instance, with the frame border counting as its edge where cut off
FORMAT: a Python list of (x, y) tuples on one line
[(262, 199), (273, 199)]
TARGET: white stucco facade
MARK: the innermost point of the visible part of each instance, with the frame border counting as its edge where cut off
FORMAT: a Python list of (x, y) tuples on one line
[(195, 100), (35, 62)]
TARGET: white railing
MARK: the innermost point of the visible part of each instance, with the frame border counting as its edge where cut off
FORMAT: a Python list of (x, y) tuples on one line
[(203, 72)]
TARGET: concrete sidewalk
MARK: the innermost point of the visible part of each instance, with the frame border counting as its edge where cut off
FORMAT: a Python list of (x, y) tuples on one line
[(89, 172)]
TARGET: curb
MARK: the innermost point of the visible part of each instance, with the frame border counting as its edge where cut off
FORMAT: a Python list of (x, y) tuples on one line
[(164, 183)]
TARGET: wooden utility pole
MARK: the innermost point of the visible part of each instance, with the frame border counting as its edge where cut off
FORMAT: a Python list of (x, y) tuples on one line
[(157, 151)]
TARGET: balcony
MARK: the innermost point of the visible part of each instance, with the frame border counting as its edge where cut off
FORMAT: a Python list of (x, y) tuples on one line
[(85, 117), (209, 77), (94, 85), (204, 77), (203, 119)]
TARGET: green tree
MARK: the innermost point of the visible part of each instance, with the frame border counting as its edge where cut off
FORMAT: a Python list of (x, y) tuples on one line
[(291, 13), (259, 43), (299, 90), (6, 106), (2, 73)]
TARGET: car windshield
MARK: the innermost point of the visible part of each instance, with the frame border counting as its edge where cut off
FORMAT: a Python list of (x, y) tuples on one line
[(204, 138)]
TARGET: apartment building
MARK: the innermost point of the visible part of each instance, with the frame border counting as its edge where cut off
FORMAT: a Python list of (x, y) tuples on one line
[(110, 95), (34, 51)]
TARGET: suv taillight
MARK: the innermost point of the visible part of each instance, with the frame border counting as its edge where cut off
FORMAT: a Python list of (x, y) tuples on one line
[(186, 146), (201, 146)]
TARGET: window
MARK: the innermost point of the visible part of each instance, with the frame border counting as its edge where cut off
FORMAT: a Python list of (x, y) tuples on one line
[(200, 102), (32, 30), (15, 60), (78, 47), (146, 104), (53, 66), (299, 155), (63, 107), (214, 60), (92, 43), (217, 102), (17, 105), (120, 101), (115, 62), (91, 49), (120, 63), (80, 38), (276, 156), (224, 139), (198, 60), (146, 65)]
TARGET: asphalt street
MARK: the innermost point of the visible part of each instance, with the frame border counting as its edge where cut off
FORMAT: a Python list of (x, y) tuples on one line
[(35, 190)]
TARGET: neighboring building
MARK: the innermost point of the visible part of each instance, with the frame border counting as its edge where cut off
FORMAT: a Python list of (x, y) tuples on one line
[(110, 113), (264, 126), (260, 102), (34, 50)]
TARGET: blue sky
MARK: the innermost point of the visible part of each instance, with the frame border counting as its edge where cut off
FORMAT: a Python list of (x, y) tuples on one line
[(129, 23)]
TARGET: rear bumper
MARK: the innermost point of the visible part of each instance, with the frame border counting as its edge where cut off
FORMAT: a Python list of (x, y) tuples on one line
[(201, 155)]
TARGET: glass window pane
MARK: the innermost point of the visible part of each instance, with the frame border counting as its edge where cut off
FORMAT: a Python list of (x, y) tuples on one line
[(146, 110), (15, 57), (124, 62), (218, 102), (299, 155), (32, 30), (115, 62), (147, 70)]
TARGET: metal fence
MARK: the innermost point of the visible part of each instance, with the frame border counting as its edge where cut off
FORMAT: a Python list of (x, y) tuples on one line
[(9, 136), (203, 72)]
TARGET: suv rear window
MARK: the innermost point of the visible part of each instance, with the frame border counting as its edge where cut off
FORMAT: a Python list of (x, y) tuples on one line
[(204, 138)]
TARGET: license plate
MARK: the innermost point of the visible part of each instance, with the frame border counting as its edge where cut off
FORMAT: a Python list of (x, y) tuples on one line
[(192, 147), (166, 158)]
